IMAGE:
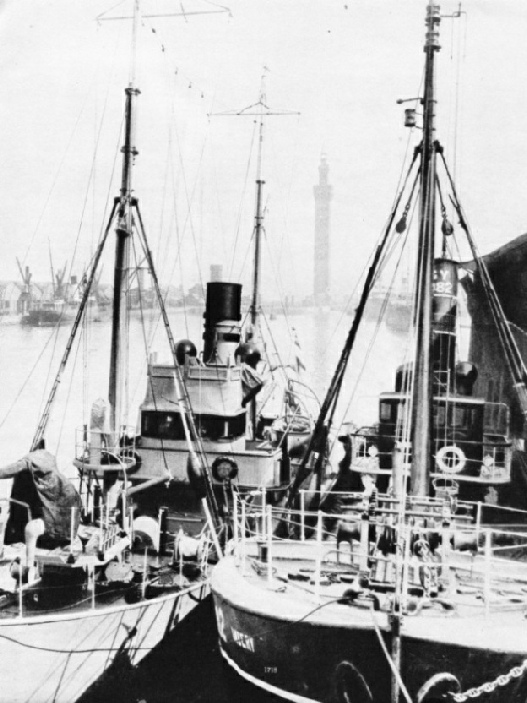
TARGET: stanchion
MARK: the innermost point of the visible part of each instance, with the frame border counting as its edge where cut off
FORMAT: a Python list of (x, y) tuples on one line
[(318, 563), (269, 544)]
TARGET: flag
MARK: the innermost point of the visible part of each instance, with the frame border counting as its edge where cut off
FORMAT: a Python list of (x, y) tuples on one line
[(297, 351)]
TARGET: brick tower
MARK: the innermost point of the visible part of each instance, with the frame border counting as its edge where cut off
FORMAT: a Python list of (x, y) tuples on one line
[(323, 194)]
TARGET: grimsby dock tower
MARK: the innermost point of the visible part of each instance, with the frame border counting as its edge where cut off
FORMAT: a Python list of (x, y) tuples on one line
[(323, 194)]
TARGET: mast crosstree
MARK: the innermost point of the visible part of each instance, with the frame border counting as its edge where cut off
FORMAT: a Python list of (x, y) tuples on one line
[(261, 110)]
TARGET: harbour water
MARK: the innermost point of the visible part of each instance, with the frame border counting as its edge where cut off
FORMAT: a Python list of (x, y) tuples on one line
[(30, 357), (188, 666)]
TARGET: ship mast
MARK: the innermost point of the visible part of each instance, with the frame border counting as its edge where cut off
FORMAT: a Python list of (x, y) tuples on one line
[(261, 110), (258, 222), (423, 381), (117, 393)]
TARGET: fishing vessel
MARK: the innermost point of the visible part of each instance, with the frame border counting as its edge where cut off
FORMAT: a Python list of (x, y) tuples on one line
[(251, 408), (153, 496), (398, 580), (90, 577)]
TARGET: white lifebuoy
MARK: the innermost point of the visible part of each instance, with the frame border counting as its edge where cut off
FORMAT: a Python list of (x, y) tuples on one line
[(451, 459)]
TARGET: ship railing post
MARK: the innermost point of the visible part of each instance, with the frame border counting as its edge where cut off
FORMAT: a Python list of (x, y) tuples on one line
[(302, 515), (364, 542), (92, 586), (180, 564), (145, 569), (264, 513), (123, 503), (406, 563), (101, 525), (243, 536), (235, 527), (478, 520), (488, 566), (269, 545), (72, 529), (318, 562), (160, 522), (131, 524), (20, 592), (89, 500)]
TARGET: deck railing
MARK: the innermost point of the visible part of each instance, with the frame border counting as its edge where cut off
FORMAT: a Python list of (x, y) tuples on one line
[(97, 449), (483, 564)]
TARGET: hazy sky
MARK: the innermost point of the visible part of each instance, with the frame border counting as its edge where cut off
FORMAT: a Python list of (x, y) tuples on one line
[(341, 64)]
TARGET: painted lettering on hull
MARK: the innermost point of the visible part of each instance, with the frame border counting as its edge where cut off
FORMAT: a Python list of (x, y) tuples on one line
[(242, 640), (239, 638)]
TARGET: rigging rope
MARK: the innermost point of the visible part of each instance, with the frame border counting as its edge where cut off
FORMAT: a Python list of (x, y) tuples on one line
[(45, 415), (66, 404), (377, 329), (509, 344), (242, 199), (389, 659), (328, 407), (146, 346), (187, 415)]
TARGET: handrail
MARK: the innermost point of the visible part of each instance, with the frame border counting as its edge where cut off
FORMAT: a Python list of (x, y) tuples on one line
[(487, 571)]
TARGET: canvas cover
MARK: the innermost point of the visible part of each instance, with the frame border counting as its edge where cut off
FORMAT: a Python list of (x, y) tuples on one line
[(50, 496)]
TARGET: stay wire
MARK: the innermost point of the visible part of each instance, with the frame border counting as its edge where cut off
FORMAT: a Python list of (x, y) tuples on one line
[(57, 173), (240, 206), (146, 346), (336, 382), (512, 355), (188, 415), (377, 328), (91, 176), (78, 318)]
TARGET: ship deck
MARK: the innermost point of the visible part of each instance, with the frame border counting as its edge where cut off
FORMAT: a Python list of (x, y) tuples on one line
[(67, 589), (474, 613)]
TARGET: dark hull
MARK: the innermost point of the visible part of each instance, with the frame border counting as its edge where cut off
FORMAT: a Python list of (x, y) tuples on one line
[(341, 659)]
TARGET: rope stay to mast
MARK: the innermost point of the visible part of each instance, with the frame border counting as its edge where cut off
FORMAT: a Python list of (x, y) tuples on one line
[(186, 412), (39, 434), (325, 417), (508, 342)]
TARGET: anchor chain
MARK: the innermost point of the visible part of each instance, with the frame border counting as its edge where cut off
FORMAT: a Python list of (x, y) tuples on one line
[(491, 686)]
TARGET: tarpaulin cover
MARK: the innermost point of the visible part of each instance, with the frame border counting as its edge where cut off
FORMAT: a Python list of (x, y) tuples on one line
[(49, 494)]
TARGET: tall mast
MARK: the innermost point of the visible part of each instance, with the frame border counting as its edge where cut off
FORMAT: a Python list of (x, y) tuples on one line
[(261, 110), (423, 381), (258, 220), (118, 355)]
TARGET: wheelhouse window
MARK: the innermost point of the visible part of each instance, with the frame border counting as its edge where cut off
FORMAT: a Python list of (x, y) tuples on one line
[(161, 425), (168, 425), (393, 417), (455, 417), (215, 427), (386, 412)]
